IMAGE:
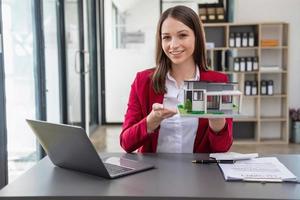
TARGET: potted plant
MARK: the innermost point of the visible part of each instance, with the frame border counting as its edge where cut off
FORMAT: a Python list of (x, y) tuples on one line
[(295, 125)]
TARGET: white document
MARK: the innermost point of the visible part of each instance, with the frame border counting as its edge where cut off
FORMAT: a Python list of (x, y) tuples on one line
[(233, 156), (267, 169)]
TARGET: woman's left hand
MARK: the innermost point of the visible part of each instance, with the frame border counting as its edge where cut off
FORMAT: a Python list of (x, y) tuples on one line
[(216, 124)]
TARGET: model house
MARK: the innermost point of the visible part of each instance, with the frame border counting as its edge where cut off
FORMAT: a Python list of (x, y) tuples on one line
[(211, 98)]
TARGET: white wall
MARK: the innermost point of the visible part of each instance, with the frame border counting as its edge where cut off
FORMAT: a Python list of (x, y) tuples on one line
[(280, 11), (192, 4), (121, 65)]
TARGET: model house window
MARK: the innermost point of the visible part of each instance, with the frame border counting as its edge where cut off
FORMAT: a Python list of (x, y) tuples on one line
[(198, 96), (213, 102), (190, 85), (227, 99)]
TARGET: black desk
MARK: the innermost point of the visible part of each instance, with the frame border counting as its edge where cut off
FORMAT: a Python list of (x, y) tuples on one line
[(175, 177)]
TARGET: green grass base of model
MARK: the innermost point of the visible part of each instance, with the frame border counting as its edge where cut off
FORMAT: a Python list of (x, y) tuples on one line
[(183, 110)]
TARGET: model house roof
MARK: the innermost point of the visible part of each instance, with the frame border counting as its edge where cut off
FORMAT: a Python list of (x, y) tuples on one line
[(223, 93), (209, 86)]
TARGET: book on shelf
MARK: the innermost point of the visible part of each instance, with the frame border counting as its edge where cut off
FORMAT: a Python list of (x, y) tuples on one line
[(270, 68), (269, 43)]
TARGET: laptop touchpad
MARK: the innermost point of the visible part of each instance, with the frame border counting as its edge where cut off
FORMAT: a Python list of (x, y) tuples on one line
[(120, 161)]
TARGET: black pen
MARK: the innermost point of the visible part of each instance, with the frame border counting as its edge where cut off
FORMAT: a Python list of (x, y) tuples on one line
[(213, 161)]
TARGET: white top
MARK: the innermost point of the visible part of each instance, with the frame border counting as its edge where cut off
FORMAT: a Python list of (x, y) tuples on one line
[(177, 134)]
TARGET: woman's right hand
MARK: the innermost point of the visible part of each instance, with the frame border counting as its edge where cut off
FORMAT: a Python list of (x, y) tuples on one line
[(158, 114)]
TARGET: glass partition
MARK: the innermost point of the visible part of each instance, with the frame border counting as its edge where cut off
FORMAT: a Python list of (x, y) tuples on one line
[(19, 82), (51, 60)]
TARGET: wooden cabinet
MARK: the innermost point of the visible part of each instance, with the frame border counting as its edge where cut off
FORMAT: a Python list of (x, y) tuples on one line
[(255, 55)]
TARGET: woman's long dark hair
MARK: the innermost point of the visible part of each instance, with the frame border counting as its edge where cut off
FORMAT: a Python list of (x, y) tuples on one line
[(188, 17)]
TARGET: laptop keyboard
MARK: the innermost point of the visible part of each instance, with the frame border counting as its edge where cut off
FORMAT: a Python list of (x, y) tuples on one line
[(116, 169)]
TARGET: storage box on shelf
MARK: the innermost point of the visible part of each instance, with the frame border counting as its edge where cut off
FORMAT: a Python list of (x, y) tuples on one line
[(213, 12), (256, 56)]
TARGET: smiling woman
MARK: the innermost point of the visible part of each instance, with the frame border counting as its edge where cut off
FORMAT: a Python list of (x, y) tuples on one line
[(178, 42), (152, 123), (185, 22)]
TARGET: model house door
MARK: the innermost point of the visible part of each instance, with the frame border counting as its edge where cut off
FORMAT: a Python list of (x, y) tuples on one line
[(198, 101)]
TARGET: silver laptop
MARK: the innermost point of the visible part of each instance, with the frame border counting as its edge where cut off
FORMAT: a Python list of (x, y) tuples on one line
[(69, 147)]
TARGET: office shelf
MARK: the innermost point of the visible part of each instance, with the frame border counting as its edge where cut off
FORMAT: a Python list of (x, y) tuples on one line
[(272, 141), (267, 112), (233, 72), (274, 96), (272, 119), (273, 71), (244, 141)]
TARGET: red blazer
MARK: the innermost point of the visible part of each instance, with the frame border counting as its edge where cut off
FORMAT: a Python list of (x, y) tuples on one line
[(134, 130)]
